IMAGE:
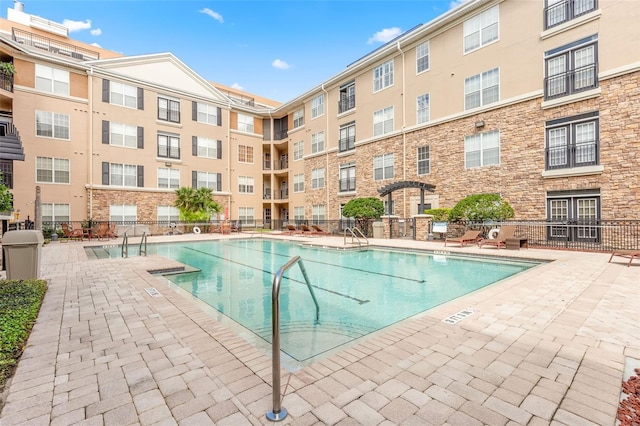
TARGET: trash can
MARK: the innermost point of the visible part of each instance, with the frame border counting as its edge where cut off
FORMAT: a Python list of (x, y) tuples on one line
[(21, 251), (378, 229)]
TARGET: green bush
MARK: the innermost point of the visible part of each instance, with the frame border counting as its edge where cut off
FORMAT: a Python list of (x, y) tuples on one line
[(438, 214), (481, 207), (20, 302)]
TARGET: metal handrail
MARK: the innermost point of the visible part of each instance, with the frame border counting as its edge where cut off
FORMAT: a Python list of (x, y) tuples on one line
[(143, 241), (279, 413), (353, 232), (125, 245)]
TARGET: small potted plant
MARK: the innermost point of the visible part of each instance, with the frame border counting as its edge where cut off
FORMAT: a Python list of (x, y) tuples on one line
[(7, 68)]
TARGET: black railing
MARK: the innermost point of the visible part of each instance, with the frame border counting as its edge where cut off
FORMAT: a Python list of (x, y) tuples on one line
[(347, 103), (573, 155), (6, 82), (51, 45), (280, 134), (566, 10), (348, 184), (573, 81), (346, 144)]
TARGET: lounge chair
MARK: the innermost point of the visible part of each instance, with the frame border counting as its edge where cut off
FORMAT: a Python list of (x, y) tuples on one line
[(103, 231), (292, 230), (319, 231), (631, 254), (506, 231), (469, 237), (304, 229), (71, 234)]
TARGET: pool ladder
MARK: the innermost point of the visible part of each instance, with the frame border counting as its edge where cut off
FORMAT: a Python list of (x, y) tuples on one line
[(354, 235), (125, 245), (279, 413)]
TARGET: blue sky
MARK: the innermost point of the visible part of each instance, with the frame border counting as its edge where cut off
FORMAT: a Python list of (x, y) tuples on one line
[(275, 49)]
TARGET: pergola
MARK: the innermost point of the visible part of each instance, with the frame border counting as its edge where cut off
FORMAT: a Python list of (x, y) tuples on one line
[(388, 189)]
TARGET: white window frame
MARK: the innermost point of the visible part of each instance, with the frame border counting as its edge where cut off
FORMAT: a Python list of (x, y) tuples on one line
[(422, 58), (481, 30), (123, 95), (484, 86), (423, 156), (383, 76), (246, 184), (422, 109), (245, 123), (317, 142), (55, 213), (168, 178), (383, 121), (245, 154), (207, 147), (298, 150), (59, 124), (52, 80), (317, 178), (481, 150), (298, 118), (246, 215), (298, 213), (207, 180), (124, 135), (318, 213), (298, 182), (59, 168), (123, 213), (317, 106), (167, 214), (383, 167), (205, 115), (127, 173)]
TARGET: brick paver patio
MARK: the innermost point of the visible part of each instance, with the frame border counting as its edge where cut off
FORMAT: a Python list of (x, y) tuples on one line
[(548, 346)]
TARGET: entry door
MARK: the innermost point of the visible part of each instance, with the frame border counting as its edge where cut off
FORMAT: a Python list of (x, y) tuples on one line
[(581, 216)]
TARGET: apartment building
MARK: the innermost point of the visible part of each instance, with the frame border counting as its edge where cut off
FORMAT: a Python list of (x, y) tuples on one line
[(538, 101)]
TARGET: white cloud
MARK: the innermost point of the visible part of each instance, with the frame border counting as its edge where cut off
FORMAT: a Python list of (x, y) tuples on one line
[(280, 64), (213, 14), (237, 86), (96, 32), (96, 45), (385, 35), (456, 3), (76, 25)]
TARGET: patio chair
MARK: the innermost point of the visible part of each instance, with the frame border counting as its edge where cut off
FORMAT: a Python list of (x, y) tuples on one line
[(111, 233), (506, 231), (304, 229), (319, 231), (469, 237), (292, 230), (71, 234), (631, 254), (103, 231)]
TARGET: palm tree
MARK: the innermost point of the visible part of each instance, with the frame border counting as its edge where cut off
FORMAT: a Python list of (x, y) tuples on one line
[(196, 204)]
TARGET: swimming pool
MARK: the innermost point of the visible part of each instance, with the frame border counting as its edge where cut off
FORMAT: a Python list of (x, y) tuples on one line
[(358, 291)]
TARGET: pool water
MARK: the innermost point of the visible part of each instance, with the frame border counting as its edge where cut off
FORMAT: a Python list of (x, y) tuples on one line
[(358, 291)]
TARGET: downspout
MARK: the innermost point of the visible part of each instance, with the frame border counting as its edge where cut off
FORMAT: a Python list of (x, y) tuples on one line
[(90, 139), (326, 150), (229, 162), (404, 136), (271, 179)]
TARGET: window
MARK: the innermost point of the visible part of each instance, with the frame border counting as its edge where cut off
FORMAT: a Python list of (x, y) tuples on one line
[(168, 214), (482, 150), (389, 208), (245, 123), (205, 113), (52, 125), (317, 178), (52, 170), (317, 106), (347, 97), (317, 142), (348, 177), (318, 213), (123, 174), (558, 11), (573, 141), (246, 215), (571, 68), (298, 183), (481, 30), (578, 214), (298, 118), (245, 154), (383, 76), (207, 180), (122, 134), (422, 109), (298, 150), (6, 173), (383, 167), (347, 137), (121, 94), (245, 184), (422, 57), (168, 178), (298, 213), (383, 121), (123, 213), (424, 166), (168, 110), (207, 148), (58, 213), (52, 80), (168, 145), (482, 89)]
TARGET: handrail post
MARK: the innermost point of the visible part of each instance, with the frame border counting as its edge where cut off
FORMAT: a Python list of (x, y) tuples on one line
[(125, 245), (143, 240)]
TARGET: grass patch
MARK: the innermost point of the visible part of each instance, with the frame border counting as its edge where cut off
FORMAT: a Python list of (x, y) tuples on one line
[(20, 302)]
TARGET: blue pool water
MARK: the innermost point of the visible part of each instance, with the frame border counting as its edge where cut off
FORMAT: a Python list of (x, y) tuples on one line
[(358, 291)]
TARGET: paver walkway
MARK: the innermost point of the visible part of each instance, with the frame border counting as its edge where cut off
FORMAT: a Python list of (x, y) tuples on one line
[(547, 346)]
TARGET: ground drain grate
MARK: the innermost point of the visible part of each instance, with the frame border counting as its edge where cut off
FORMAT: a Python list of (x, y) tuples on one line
[(457, 317), (153, 292)]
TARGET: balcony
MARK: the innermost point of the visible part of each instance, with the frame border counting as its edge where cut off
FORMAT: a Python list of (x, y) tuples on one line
[(10, 142), (267, 194), (573, 81), (563, 11), (6, 82), (348, 184), (347, 103), (572, 155), (53, 46)]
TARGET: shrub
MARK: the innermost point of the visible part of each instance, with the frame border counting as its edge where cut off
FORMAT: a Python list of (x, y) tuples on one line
[(438, 214), (481, 207)]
